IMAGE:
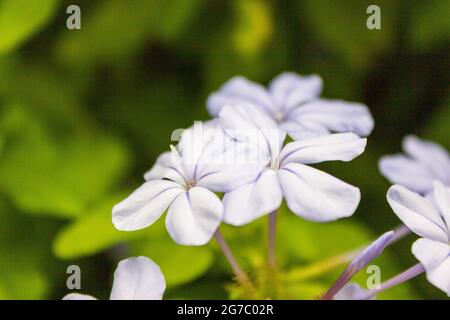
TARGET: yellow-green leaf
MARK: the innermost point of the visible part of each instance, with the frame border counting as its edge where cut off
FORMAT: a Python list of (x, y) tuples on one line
[(20, 19)]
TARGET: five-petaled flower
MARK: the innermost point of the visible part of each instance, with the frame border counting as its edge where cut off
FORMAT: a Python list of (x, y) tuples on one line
[(284, 171), (294, 102), (423, 163), (137, 278), (243, 154), (184, 181), (432, 223)]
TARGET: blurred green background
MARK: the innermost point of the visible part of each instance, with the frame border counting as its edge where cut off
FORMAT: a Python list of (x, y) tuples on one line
[(84, 113)]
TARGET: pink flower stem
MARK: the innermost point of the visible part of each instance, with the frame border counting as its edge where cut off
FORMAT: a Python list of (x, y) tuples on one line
[(241, 276), (406, 275)]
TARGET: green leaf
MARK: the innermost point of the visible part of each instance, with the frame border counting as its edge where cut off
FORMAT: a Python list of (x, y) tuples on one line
[(20, 19), (305, 290), (311, 242), (152, 137), (437, 127), (303, 240), (340, 27), (53, 173), (211, 289), (430, 23), (23, 284), (114, 29), (253, 28), (92, 233), (24, 255), (180, 264)]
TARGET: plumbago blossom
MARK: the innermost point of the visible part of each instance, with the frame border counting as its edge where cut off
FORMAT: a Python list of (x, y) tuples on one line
[(422, 163), (294, 103), (284, 171), (243, 155), (184, 181), (428, 217), (432, 223), (137, 278)]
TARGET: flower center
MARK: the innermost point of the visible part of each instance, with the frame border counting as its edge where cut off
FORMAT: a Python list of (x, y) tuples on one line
[(274, 164), (190, 184), (279, 117)]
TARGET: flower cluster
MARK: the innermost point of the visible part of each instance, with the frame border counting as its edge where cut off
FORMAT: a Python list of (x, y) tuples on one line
[(259, 149), (242, 153)]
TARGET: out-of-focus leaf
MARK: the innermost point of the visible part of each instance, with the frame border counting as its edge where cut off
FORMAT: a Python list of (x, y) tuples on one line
[(305, 290), (253, 28), (23, 284), (341, 27), (24, 255), (46, 89), (437, 128), (180, 264), (175, 18), (52, 173), (136, 108), (312, 242), (309, 241), (430, 23), (20, 19), (208, 288), (389, 267), (92, 232), (115, 29)]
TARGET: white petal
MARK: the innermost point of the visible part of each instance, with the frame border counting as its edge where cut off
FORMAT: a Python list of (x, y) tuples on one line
[(145, 205), (165, 167), (407, 172), (417, 213), (335, 115), (289, 89), (239, 90), (229, 177), (316, 195), (304, 130), (440, 276), (138, 278), (234, 165), (208, 153), (198, 142), (194, 216), (253, 200), (442, 197), (435, 257), (159, 169), (436, 158), (78, 296), (430, 253), (340, 146), (248, 124)]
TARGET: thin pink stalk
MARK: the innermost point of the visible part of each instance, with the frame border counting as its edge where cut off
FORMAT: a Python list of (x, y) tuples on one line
[(406, 275), (241, 276)]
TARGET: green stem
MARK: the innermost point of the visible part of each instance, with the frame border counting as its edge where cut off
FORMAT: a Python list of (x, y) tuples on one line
[(321, 267)]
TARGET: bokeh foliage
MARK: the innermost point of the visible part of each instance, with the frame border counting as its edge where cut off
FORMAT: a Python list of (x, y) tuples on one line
[(84, 113)]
